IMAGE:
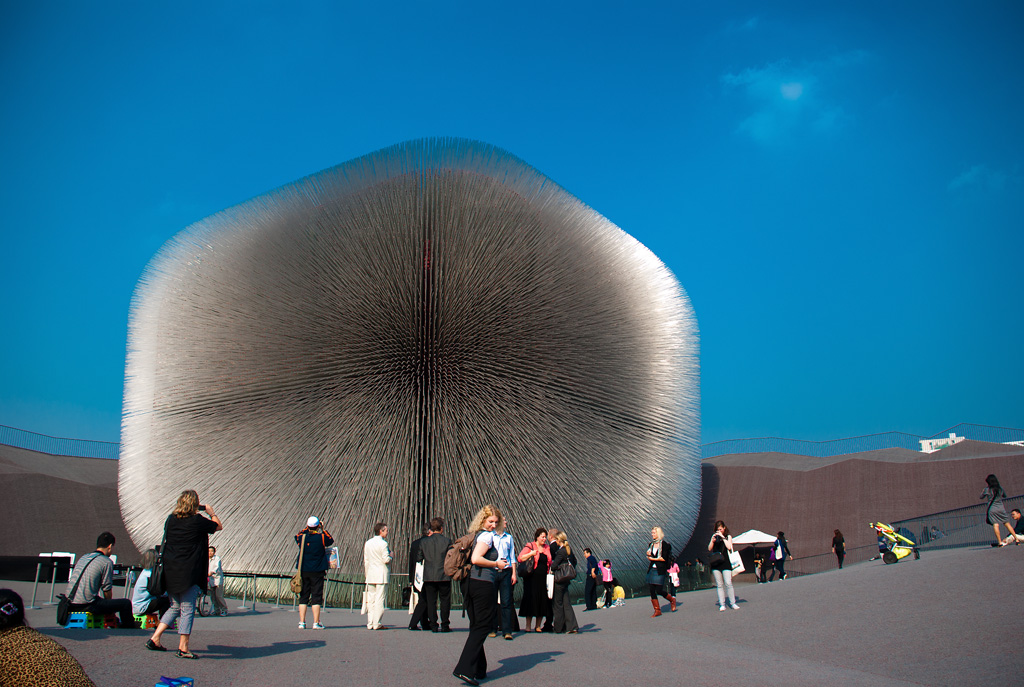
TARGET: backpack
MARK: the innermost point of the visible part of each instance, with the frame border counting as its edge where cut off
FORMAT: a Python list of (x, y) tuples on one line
[(456, 560)]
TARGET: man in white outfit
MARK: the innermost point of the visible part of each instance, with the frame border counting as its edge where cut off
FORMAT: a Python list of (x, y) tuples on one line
[(376, 556)]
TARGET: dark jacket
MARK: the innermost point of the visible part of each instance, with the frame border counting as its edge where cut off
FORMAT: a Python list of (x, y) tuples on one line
[(186, 557), (666, 553), (314, 556), (432, 550), (559, 557)]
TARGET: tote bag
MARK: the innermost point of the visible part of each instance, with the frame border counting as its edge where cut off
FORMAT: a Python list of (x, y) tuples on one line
[(736, 562)]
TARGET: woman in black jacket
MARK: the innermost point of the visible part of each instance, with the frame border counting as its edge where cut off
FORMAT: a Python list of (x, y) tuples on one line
[(186, 564), (315, 563), (659, 553), (564, 616)]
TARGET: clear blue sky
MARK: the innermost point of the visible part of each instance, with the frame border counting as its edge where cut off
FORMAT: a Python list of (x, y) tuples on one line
[(839, 189)]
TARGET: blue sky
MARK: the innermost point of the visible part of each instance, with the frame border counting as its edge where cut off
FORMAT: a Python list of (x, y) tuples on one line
[(840, 190)]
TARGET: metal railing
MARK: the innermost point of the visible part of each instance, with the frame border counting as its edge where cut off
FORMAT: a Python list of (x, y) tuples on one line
[(956, 528), (84, 448)]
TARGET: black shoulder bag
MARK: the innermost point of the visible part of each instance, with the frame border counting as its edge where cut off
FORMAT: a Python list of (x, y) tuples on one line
[(155, 585), (64, 603)]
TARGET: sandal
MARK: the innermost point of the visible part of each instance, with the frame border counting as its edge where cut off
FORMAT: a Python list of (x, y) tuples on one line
[(186, 654)]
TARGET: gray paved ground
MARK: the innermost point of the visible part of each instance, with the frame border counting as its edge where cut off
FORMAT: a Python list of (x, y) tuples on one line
[(951, 618)]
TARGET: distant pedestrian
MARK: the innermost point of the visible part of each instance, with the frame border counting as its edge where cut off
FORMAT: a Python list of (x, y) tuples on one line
[(216, 583), (839, 547), (780, 549), (564, 616), (590, 582), (995, 514), (605, 567), (418, 618), (721, 567)]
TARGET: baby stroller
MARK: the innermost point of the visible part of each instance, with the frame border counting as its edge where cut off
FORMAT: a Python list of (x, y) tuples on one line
[(895, 544)]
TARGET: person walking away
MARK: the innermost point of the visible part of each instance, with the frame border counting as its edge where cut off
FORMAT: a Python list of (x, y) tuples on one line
[(436, 585), (839, 547), (721, 568), (480, 597), (995, 513), (780, 549), (419, 612)]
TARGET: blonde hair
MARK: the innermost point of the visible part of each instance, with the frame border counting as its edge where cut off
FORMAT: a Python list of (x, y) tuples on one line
[(659, 534), (188, 504), (564, 542), (477, 523)]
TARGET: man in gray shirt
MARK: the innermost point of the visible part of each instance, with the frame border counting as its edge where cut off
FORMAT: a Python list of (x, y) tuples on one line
[(96, 571)]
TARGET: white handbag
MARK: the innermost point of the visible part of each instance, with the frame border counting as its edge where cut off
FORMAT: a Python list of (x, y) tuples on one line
[(736, 561)]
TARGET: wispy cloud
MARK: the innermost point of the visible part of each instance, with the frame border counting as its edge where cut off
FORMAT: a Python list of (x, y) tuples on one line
[(983, 177), (787, 98)]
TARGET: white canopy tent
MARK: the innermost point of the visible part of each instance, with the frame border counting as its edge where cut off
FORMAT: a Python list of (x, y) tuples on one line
[(754, 537)]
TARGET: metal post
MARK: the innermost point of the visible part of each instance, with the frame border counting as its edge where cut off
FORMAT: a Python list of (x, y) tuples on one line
[(254, 591), (53, 581), (277, 604), (39, 566), (245, 590)]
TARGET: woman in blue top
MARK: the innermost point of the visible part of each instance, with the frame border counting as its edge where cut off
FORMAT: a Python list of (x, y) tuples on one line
[(480, 599)]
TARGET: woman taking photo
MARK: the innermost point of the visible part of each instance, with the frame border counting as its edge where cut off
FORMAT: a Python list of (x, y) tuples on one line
[(565, 617), (839, 547), (659, 553), (721, 567), (185, 560), (481, 595), (537, 557)]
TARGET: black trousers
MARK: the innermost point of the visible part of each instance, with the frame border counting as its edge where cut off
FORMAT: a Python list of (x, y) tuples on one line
[(312, 588), (159, 605), (564, 616), (590, 593), (419, 614), (123, 608), (432, 591), (480, 606)]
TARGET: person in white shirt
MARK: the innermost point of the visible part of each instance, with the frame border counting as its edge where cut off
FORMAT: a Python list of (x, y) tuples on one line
[(216, 584), (376, 556)]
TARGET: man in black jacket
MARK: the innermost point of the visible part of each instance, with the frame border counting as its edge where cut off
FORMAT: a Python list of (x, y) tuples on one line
[(435, 583), (419, 613)]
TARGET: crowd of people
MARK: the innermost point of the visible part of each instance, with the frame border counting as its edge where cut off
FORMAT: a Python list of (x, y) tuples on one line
[(188, 567)]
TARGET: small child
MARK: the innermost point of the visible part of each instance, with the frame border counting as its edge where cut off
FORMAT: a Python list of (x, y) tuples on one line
[(605, 567), (619, 594)]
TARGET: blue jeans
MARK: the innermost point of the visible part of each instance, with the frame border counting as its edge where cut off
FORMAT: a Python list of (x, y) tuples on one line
[(503, 585)]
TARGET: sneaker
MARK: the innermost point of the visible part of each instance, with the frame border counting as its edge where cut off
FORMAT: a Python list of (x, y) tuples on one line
[(493, 634), (508, 636), (735, 607), (721, 608), (302, 626), (318, 626)]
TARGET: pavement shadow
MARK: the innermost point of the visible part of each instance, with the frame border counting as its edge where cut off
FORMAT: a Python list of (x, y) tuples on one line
[(219, 651), (520, 664)]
